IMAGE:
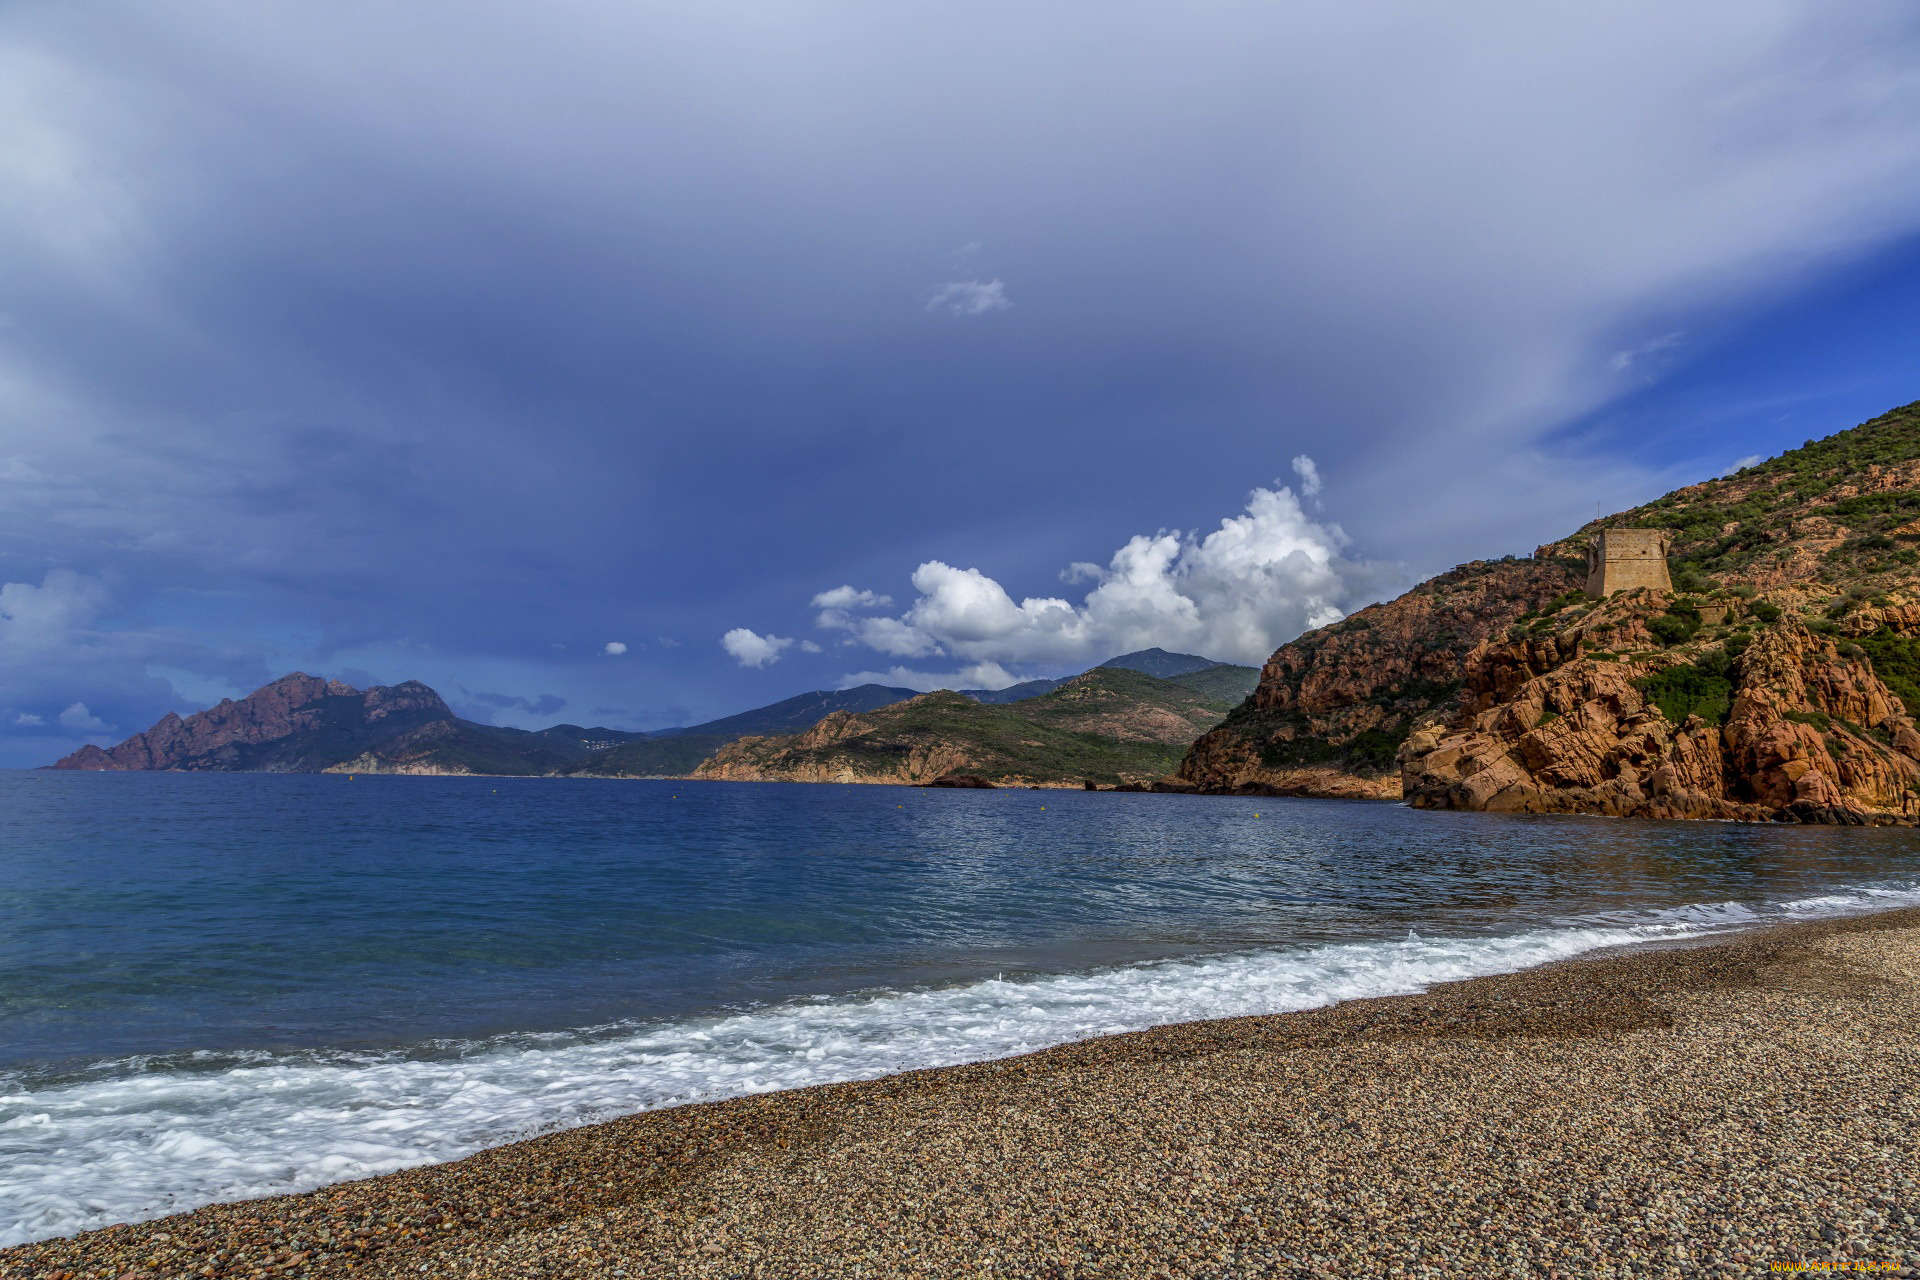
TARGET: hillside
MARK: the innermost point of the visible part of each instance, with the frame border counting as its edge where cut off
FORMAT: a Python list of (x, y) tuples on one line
[(1768, 684), (1109, 725), (1331, 709), (297, 724)]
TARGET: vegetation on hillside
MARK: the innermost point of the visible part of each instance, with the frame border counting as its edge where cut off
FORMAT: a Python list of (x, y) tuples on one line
[(674, 756), (1110, 725), (1853, 490)]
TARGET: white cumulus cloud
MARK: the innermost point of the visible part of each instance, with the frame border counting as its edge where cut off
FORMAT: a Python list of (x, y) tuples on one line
[(968, 298), (843, 598), (81, 720), (1309, 474), (615, 648), (838, 605), (1237, 593), (750, 649), (28, 719)]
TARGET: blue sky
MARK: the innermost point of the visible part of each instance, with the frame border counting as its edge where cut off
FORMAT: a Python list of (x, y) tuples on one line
[(778, 347)]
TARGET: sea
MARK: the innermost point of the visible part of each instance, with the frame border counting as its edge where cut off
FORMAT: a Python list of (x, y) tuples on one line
[(219, 986)]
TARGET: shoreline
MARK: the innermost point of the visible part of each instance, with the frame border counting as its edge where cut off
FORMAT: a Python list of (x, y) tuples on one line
[(1250, 1146)]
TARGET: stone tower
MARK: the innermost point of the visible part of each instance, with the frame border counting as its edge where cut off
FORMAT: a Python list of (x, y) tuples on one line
[(1622, 559)]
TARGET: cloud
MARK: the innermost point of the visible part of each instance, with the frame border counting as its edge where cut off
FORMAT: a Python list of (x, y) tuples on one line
[(614, 648), (1258, 580), (1309, 474), (52, 616), (28, 719), (81, 720), (836, 614), (543, 705), (1621, 361), (751, 650), (62, 645), (808, 646), (1741, 464), (850, 598), (967, 298)]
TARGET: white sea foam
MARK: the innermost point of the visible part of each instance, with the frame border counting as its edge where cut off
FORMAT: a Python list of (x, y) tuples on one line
[(146, 1142)]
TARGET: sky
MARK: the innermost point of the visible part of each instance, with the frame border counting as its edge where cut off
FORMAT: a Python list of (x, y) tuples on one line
[(628, 364)]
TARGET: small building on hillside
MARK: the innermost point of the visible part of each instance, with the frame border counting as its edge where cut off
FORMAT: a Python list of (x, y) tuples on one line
[(1622, 559)]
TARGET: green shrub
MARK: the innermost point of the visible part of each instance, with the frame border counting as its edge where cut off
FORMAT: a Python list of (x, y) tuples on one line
[(1691, 579), (1676, 626), (1764, 611), (1374, 750), (1818, 719), (1703, 688), (1896, 660)]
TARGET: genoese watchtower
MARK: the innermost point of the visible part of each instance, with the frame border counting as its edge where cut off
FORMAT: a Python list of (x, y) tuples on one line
[(1622, 559)]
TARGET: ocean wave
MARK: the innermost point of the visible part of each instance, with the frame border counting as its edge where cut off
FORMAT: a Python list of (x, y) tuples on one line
[(142, 1139)]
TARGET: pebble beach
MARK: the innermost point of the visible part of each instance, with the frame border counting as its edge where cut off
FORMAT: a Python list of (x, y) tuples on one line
[(1731, 1109)]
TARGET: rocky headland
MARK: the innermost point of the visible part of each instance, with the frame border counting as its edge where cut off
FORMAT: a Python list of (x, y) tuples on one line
[(1777, 680), (297, 724)]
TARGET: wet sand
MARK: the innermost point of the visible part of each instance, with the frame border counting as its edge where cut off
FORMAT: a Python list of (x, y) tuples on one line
[(1699, 1111)]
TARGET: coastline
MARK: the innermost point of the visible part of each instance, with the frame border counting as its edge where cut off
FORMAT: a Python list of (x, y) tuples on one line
[(1700, 1110)]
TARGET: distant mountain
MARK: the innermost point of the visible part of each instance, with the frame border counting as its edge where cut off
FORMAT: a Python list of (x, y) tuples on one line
[(297, 724), (1109, 725), (303, 724), (1158, 662), (1015, 692), (1221, 682), (675, 753), (455, 746), (1152, 662), (672, 755), (794, 714)]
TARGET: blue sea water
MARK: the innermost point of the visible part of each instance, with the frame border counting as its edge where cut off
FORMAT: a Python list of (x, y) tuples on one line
[(215, 985)]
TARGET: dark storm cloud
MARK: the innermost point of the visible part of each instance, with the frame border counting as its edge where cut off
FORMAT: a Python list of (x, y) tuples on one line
[(481, 705), (428, 338)]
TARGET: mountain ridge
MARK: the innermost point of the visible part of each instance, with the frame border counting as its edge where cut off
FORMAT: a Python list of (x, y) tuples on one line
[(303, 723)]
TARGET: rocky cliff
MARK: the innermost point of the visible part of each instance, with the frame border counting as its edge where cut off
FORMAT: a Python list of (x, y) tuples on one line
[(299, 723), (1108, 725), (1778, 679), (1777, 722), (1332, 707), (303, 724)]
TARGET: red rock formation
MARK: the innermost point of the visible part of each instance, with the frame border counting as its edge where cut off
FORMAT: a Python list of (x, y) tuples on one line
[(1333, 705), (296, 722), (1544, 727)]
